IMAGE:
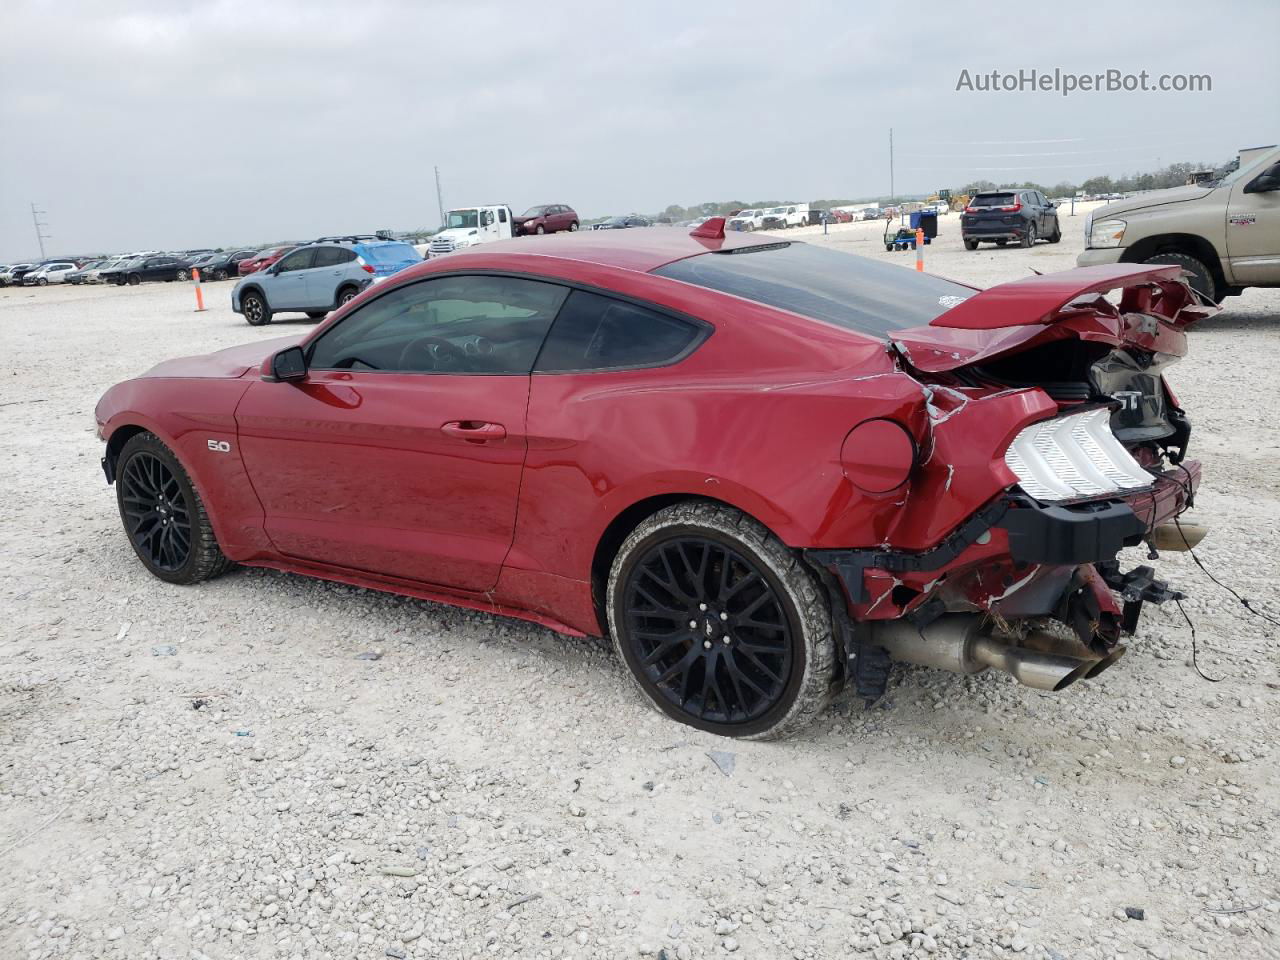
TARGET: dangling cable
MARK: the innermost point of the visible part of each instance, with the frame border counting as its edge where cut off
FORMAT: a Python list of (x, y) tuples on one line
[(1195, 660)]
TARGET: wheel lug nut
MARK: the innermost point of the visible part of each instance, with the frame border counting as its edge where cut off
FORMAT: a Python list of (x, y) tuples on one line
[(707, 644), (724, 616), (726, 638), (702, 607), (693, 624)]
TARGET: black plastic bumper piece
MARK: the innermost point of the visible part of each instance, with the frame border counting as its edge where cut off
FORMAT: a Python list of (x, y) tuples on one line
[(1085, 533)]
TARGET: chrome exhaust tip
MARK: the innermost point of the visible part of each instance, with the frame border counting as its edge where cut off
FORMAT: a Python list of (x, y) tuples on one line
[(1107, 662), (958, 643)]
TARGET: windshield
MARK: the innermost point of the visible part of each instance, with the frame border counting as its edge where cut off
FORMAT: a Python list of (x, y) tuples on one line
[(534, 212), (462, 218), (853, 292)]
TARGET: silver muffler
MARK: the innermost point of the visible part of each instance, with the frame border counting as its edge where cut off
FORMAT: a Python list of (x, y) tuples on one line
[(959, 642), (1178, 537)]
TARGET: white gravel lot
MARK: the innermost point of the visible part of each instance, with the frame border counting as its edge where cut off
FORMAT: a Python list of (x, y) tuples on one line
[(488, 788)]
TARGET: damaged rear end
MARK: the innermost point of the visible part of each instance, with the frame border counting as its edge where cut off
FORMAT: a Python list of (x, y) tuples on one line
[(1047, 439)]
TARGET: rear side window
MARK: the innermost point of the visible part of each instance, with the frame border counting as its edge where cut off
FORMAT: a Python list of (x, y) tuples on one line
[(599, 333), (332, 256)]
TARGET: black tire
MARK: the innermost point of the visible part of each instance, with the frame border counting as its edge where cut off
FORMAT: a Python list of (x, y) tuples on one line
[(219, 274), (1056, 236), (156, 530), (42, 281), (255, 309), (316, 314), (1202, 278), (795, 668), (971, 244), (539, 229), (1029, 237), (133, 280), (346, 295), (184, 275), (1001, 243), (888, 248), (573, 226)]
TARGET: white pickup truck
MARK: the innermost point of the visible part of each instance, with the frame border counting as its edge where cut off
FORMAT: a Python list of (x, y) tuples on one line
[(468, 226), (790, 215), (746, 220)]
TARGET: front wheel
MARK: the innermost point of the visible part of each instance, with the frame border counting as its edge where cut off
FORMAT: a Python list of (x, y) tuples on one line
[(1056, 236), (184, 275), (134, 279), (720, 625), (1201, 277), (573, 226), (219, 274), (255, 309), (163, 515), (540, 230), (42, 282)]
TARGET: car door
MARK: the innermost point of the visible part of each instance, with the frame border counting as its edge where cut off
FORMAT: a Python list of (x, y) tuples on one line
[(286, 281), (326, 272), (401, 452), (1253, 227)]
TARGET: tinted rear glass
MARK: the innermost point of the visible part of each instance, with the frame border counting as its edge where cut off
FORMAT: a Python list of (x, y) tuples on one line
[(992, 200), (850, 291)]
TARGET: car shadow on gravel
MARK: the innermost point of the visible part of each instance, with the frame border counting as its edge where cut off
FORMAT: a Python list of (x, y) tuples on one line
[(1235, 321)]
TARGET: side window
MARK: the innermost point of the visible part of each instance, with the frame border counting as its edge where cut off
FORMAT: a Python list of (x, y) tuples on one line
[(486, 218), (502, 215), (298, 260), (462, 325), (332, 256), (600, 333)]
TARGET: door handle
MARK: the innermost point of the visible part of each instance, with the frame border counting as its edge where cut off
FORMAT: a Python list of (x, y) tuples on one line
[(474, 431)]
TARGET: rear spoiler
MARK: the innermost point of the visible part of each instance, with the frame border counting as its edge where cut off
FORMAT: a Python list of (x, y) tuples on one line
[(1156, 290)]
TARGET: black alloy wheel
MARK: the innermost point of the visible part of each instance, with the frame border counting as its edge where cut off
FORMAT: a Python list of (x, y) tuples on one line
[(255, 309), (708, 630), (156, 512), (219, 274)]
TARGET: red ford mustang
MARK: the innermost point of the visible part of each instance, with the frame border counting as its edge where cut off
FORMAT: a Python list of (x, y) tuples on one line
[(765, 469)]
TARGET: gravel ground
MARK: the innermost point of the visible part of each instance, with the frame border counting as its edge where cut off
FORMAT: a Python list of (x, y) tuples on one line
[(271, 766)]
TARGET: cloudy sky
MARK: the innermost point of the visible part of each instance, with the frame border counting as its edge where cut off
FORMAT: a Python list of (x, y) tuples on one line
[(175, 124)]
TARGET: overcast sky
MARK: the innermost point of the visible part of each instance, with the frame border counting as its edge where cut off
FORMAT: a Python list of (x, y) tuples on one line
[(174, 124)]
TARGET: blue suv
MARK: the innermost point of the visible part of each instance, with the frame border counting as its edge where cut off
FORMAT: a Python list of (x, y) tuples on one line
[(319, 276)]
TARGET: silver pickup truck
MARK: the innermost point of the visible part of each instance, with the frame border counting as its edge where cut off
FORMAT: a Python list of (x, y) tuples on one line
[(1225, 233)]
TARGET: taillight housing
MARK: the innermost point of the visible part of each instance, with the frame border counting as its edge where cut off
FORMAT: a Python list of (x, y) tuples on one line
[(1013, 209), (366, 267), (970, 209)]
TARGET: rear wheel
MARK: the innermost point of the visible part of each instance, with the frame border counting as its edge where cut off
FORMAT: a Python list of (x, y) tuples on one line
[(346, 295), (971, 244), (256, 311), (316, 314), (163, 515), (720, 625), (1202, 278)]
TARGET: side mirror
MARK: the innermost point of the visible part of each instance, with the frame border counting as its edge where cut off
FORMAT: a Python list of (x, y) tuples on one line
[(290, 364), (1265, 182)]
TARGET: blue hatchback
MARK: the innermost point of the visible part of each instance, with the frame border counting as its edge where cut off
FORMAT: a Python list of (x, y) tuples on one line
[(319, 276)]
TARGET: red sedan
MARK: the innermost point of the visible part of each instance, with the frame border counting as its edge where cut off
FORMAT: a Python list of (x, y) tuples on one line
[(263, 259), (765, 469)]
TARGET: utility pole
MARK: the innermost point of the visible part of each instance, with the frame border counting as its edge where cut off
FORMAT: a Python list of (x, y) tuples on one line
[(41, 236), (892, 194), (439, 197)]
